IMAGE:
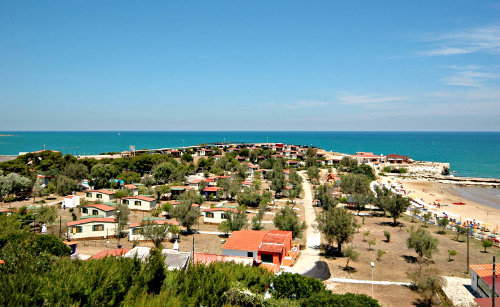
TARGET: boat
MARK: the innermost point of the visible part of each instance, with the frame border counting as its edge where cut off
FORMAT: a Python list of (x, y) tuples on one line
[(459, 203)]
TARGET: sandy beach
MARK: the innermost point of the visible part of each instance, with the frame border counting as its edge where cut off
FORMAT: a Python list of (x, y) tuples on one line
[(430, 192)]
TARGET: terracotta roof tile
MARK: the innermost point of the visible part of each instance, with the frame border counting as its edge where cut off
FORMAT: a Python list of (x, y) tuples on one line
[(102, 207), (110, 252), (140, 198), (247, 240), (93, 220)]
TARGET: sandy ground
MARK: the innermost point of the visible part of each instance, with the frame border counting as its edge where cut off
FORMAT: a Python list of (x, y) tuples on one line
[(431, 191)]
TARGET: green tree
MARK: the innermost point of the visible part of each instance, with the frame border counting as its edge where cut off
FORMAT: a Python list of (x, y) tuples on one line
[(187, 157), (371, 242), (287, 219), (13, 184), (443, 222), (486, 244), (122, 213), (324, 194), (397, 207), (129, 177), (461, 231), (163, 172), (337, 224), (428, 281), (37, 190), (424, 244), (257, 219), (154, 232), (51, 244), (65, 185), (184, 212), (295, 286), (45, 214), (76, 171), (354, 184), (100, 175), (235, 220), (451, 252), (278, 182), (313, 173), (350, 254), (427, 217)]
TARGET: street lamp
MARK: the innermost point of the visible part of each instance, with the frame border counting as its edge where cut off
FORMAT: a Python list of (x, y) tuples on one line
[(119, 229), (373, 265), (34, 222)]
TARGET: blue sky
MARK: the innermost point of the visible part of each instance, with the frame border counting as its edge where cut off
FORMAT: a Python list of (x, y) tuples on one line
[(250, 65)]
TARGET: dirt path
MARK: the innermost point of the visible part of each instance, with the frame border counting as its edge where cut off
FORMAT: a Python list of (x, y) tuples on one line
[(310, 255)]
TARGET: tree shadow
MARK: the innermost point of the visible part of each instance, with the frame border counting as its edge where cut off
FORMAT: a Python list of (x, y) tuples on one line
[(410, 259), (348, 269), (422, 302)]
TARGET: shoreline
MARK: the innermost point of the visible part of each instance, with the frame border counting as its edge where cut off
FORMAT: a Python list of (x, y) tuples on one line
[(431, 192)]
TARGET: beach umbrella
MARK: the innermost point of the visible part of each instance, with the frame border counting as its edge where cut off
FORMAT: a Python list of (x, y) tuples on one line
[(439, 200)]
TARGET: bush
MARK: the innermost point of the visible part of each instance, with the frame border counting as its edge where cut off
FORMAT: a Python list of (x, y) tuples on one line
[(295, 286), (387, 235), (327, 298), (51, 244)]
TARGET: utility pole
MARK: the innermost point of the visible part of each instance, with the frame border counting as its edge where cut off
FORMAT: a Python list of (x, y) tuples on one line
[(468, 233), (60, 227), (494, 294)]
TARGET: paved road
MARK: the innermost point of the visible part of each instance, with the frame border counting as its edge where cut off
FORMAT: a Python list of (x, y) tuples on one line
[(375, 282), (310, 255)]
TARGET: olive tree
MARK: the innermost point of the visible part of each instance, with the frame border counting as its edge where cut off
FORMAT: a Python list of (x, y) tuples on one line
[(337, 225)]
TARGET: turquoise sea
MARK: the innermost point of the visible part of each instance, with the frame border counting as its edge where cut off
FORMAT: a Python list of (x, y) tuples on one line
[(474, 154)]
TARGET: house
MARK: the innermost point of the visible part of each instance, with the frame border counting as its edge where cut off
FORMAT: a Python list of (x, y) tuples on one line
[(482, 279), (133, 188), (216, 215), (210, 191), (71, 201), (97, 210), (195, 183), (368, 157), (44, 180), (174, 260), (394, 158), (102, 195), (179, 189), (204, 152), (92, 228), (206, 259), (267, 246), (134, 232), (109, 253), (139, 202), (292, 163)]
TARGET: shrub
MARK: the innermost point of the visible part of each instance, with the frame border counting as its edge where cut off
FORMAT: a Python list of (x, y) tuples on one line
[(295, 286), (451, 252), (380, 253), (387, 235), (486, 244)]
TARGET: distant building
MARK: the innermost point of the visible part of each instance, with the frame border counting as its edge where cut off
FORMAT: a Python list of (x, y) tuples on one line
[(482, 279), (71, 201), (142, 203), (102, 195), (394, 158), (216, 215), (92, 228), (97, 210), (133, 188), (368, 157)]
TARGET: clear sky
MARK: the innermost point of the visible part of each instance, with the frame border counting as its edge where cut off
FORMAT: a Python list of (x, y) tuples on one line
[(250, 65)]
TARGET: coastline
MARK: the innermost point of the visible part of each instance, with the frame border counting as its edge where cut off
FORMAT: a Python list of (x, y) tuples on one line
[(448, 194)]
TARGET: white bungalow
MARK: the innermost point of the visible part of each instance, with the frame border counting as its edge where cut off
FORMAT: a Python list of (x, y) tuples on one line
[(195, 183), (139, 202), (134, 232), (98, 210), (92, 228), (133, 188), (102, 195), (71, 201), (216, 215)]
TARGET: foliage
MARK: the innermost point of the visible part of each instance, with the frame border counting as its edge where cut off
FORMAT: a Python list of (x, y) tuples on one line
[(251, 198), (257, 219), (313, 173), (371, 242), (101, 174), (154, 232), (427, 217), (13, 184), (380, 253), (443, 222), (354, 184), (278, 182), (184, 212), (65, 185), (76, 171), (121, 194), (45, 214), (427, 281), (461, 231), (424, 244), (235, 221), (451, 252), (129, 177), (50, 244), (486, 244), (295, 286), (187, 157), (122, 213), (395, 204), (387, 236), (327, 298), (350, 254), (337, 224), (287, 219), (323, 193)]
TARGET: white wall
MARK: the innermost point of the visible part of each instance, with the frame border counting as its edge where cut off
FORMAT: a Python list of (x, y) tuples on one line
[(233, 252), (217, 219), (109, 230), (72, 202), (145, 205)]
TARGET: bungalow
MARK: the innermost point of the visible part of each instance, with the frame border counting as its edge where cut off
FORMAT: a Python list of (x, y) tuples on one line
[(71, 201), (174, 153), (268, 246), (134, 232), (204, 152), (394, 158), (133, 188), (292, 163), (102, 195), (482, 279), (216, 215), (209, 191), (44, 180), (97, 210), (367, 157), (195, 183), (92, 228), (179, 189), (139, 202)]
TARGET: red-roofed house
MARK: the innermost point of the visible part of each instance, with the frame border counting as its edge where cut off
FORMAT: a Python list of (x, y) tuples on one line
[(133, 188), (97, 210), (92, 228), (367, 157), (102, 195), (139, 202), (195, 183), (268, 246), (482, 279), (134, 232), (394, 158), (216, 215), (71, 201), (208, 191)]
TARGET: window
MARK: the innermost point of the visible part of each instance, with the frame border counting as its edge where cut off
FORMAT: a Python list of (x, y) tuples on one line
[(76, 229), (88, 194), (95, 212), (209, 215), (267, 258), (136, 231), (99, 195), (85, 210), (137, 203), (99, 227), (250, 254), (223, 216), (125, 201)]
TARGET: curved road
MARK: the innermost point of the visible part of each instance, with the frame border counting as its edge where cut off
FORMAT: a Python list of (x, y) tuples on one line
[(309, 256)]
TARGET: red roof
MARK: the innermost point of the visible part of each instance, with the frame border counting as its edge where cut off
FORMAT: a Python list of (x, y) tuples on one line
[(486, 301), (102, 207), (209, 258), (246, 240), (69, 196), (130, 186), (211, 189), (110, 252), (367, 155), (108, 192), (150, 199), (221, 209), (158, 222), (93, 220), (276, 236), (271, 248), (197, 181)]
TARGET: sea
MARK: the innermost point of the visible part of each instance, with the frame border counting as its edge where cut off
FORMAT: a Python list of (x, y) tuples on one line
[(470, 154)]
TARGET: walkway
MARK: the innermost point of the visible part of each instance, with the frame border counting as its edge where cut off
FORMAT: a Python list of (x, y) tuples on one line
[(375, 282), (309, 256)]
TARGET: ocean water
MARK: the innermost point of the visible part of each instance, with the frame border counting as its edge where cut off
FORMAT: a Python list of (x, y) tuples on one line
[(474, 154), (486, 196)]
